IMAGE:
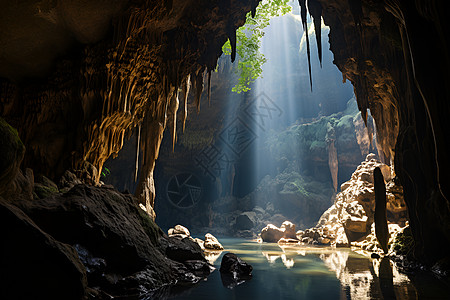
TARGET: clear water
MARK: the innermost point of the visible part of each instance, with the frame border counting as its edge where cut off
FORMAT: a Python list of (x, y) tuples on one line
[(313, 273)]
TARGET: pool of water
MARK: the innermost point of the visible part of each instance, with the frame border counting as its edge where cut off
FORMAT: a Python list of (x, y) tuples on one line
[(313, 273)]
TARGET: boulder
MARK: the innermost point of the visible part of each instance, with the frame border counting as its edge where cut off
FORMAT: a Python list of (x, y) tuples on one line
[(184, 249), (245, 221), (234, 271), (211, 243), (179, 231), (271, 234), (289, 230)]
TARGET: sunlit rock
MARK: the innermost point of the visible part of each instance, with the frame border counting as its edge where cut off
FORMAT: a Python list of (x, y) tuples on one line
[(212, 243), (179, 231), (271, 234), (353, 210), (289, 230)]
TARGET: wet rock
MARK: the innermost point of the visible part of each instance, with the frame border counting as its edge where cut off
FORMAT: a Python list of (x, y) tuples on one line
[(184, 249), (199, 267), (234, 271), (212, 243), (34, 265)]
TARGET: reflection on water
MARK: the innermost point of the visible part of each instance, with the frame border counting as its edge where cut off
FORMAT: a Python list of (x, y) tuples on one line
[(314, 273)]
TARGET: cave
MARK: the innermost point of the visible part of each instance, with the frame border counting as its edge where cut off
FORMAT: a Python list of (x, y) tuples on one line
[(136, 158)]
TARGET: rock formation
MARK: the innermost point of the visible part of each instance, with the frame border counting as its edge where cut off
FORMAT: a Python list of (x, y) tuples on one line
[(77, 77), (351, 216), (381, 226)]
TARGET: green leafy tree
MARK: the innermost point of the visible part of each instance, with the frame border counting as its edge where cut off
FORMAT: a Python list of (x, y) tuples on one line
[(248, 42)]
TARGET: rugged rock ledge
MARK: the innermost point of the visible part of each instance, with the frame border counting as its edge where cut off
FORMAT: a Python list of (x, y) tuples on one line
[(92, 237)]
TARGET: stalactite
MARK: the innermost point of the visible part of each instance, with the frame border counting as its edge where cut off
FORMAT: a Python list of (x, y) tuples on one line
[(254, 5), (232, 37), (315, 9), (381, 226), (198, 83), (303, 13), (136, 169), (173, 107), (186, 87), (209, 87)]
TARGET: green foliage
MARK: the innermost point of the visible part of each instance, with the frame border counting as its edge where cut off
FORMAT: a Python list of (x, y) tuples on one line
[(250, 60), (105, 172)]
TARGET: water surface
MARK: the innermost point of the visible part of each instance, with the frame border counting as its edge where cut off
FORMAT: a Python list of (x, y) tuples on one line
[(313, 273)]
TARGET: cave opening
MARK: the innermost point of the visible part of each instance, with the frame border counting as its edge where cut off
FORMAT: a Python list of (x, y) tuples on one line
[(145, 144)]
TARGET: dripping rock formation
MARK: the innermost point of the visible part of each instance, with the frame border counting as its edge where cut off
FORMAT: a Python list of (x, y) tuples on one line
[(78, 77)]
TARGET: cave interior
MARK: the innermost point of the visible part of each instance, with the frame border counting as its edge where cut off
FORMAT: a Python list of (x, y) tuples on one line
[(339, 147)]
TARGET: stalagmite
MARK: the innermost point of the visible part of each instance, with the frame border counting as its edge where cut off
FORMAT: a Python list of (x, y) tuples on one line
[(381, 226), (186, 87), (315, 9), (303, 12)]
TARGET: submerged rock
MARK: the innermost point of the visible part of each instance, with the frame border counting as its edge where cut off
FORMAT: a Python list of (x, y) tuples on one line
[(234, 271)]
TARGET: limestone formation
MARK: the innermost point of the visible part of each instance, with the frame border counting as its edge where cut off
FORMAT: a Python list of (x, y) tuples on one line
[(211, 243), (352, 214)]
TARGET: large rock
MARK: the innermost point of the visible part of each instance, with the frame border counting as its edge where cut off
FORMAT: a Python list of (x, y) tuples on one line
[(271, 234), (234, 271), (289, 230), (125, 251), (179, 231), (184, 249), (211, 242), (354, 208), (33, 264)]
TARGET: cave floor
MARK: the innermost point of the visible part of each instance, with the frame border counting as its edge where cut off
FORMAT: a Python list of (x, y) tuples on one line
[(312, 273)]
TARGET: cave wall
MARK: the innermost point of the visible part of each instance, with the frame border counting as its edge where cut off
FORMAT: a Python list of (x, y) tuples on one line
[(395, 53), (78, 77)]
